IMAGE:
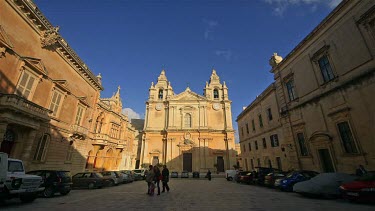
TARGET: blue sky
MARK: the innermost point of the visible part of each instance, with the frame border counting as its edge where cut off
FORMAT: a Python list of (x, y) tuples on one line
[(130, 41)]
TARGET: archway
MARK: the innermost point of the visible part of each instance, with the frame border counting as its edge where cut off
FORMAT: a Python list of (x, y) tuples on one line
[(8, 141)]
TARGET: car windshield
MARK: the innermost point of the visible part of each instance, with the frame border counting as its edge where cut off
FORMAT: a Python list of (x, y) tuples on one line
[(309, 174), (15, 166), (290, 175), (138, 171), (64, 173), (99, 175)]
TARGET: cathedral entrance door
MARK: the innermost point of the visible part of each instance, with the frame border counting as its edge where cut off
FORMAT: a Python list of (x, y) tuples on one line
[(220, 164), (187, 162)]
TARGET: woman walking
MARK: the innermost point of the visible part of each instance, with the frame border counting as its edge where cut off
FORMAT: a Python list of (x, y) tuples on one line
[(157, 178), (165, 175), (150, 179)]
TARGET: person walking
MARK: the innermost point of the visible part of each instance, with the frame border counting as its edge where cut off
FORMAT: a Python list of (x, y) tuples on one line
[(209, 175), (157, 178), (165, 175), (150, 179)]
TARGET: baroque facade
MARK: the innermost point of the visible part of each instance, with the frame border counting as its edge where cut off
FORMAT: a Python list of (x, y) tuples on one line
[(188, 131), (51, 113), (324, 91)]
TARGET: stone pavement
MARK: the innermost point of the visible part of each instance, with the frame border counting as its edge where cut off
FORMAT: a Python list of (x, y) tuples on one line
[(185, 194)]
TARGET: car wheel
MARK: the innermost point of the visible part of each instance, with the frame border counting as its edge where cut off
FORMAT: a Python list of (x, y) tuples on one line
[(111, 183), (91, 186), (64, 192), (48, 192), (27, 198), (230, 179)]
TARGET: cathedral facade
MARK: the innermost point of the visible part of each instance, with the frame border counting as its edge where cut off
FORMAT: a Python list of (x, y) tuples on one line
[(188, 131)]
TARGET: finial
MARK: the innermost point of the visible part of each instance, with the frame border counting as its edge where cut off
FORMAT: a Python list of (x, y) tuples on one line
[(118, 88), (99, 76), (275, 60)]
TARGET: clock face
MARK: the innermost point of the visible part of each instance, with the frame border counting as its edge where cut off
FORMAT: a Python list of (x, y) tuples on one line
[(158, 106), (216, 106)]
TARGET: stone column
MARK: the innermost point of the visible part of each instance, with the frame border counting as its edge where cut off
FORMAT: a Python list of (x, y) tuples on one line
[(3, 129), (227, 163), (27, 156)]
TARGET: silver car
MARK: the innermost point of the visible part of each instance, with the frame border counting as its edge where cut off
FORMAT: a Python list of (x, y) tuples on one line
[(116, 177)]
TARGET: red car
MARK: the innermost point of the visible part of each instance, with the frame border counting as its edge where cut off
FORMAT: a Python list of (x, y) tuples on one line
[(362, 190), (244, 177)]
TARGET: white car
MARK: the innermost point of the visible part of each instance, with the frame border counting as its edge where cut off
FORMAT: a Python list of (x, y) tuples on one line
[(141, 172), (230, 174)]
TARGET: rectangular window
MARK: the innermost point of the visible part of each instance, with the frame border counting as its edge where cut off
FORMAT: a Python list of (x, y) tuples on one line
[(247, 128), (269, 114), (242, 131), (347, 137), (25, 85), (253, 124), (252, 163), (302, 144), (244, 148), (258, 161), (256, 145), (260, 120), (325, 68), (291, 92), (79, 115), (55, 102), (249, 146), (264, 143), (274, 140), (41, 149)]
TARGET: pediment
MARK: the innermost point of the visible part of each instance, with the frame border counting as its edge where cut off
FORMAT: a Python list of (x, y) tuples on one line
[(4, 39), (62, 84), (35, 64), (188, 95)]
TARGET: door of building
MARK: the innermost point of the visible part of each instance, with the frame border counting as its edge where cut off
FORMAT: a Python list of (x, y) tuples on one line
[(155, 160), (187, 162), (220, 164), (8, 142), (326, 161)]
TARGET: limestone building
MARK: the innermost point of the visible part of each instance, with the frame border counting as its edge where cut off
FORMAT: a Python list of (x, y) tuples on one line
[(51, 113), (324, 90), (188, 131)]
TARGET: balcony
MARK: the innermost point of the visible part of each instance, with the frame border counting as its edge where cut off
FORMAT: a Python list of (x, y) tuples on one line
[(101, 139), (79, 132), (18, 104)]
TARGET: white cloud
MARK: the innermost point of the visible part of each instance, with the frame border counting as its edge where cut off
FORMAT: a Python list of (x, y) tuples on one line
[(280, 6), (131, 113), (227, 54), (210, 26)]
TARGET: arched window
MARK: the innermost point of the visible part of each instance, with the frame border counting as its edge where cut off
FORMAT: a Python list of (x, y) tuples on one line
[(160, 96), (187, 120), (41, 149), (216, 94)]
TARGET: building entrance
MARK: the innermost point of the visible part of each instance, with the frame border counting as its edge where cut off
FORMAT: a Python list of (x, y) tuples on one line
[(326, 161), (220, 164), (8, 142), (187, 162)]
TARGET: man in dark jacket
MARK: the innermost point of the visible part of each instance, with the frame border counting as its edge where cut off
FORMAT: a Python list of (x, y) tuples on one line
[(165, 174)]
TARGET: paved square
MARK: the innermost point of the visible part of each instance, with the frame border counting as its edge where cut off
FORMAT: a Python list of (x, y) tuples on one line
[(185, 194)]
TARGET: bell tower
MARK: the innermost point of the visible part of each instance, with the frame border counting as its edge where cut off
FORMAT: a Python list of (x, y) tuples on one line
[(162, 90)]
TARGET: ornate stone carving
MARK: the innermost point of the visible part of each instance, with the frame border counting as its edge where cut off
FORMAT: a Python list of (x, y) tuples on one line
[(275, 60), (50, 37), (2, 51)]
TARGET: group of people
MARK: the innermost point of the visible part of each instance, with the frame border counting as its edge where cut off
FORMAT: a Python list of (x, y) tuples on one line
[(153, 178)]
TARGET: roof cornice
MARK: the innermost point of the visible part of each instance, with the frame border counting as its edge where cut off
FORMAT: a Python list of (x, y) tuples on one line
[(28, 10)]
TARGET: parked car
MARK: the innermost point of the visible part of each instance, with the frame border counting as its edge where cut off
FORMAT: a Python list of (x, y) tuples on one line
[(261, 173), (174, 174), (277, 182), (116, 177), (245, 177), (89, 180), (270, 178), (54, 181), (230, 174), (127, 176), (361, 190), (184, 174), (141, 172), (295, 177), (195, 174), (324, 184)]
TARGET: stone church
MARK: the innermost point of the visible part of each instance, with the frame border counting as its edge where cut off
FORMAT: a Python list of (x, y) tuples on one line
[(188, 131)]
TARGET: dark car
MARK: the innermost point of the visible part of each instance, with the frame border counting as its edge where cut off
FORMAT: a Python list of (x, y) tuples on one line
[(54, 181), (261, 173), (90, 180), (195, 174), (245, 177), (269, 179), (294, 177), (361, 190)]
